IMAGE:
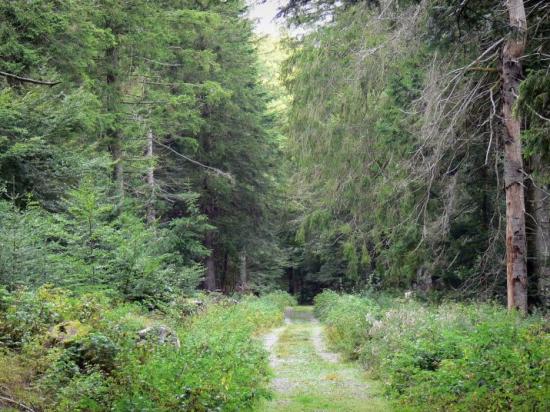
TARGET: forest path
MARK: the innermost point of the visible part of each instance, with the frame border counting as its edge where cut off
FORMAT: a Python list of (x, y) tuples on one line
[(308, 377)]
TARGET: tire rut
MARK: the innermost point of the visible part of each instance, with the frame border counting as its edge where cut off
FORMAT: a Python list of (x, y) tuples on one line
[(308, 377)]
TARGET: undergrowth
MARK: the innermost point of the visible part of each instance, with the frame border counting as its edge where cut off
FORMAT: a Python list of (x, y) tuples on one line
[(60, 352), (450, 357)]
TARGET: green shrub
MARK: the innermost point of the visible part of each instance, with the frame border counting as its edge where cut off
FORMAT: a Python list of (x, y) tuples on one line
[(460, 357), (83, 353), (219, 366), (280, 299), (466, 358), (29, 313), (94, 351), (347, 318), (16, 372), (324, 302), (84, 393)]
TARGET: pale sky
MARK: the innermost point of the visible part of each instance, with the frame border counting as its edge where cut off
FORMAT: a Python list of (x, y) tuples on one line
[(264, 15)]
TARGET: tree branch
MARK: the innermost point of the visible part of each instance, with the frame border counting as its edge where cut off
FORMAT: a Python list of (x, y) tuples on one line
[(145, 102), (213, 169), (163, 63), (482, 69), (28, 80), (14, 402)]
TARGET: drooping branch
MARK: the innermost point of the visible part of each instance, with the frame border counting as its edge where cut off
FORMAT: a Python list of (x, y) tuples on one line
[(195, 162), (28, 80), (162, 63), (145, 102)]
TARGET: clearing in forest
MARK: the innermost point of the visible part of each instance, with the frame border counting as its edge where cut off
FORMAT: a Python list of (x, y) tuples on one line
[(308, 377)]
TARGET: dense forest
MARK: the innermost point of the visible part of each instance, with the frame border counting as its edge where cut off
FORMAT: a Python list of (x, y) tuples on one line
[(171, 180), (398, 129)]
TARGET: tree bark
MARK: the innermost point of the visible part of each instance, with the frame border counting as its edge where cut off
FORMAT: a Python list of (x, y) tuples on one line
[(210, 280), (243, 275), (151, 212), (516, 244), (116, 137)]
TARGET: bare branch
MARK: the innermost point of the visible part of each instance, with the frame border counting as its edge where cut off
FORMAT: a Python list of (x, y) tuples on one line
[(482, 69), (163, 63), (28, 80), (18, 404), (146, 102), (213, 169)]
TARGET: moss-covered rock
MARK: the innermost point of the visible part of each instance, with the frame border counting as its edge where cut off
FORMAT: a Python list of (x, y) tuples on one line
[(66, 333)]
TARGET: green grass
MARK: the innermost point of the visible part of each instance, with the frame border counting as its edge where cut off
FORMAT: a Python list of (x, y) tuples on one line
[(304, 382)]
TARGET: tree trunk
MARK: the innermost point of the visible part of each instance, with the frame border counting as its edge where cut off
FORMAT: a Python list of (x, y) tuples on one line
[(424, 280), (112, 106), (151, 213), (118, 173), (210, 273), (223, 280), (243, 275), (210, 281), (516, 245)]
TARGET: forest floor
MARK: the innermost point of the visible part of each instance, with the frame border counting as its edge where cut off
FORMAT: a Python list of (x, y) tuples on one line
[(308, 377)]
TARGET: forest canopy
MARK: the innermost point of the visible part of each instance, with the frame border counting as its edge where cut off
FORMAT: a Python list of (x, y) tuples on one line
[(397, 127), (136, 147), (170, 146)]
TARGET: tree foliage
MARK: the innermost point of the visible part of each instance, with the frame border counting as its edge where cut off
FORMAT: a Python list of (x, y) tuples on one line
[(394, 125), (74, 153)]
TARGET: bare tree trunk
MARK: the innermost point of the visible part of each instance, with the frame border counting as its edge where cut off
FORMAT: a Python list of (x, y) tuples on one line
[(210, 281), (151, 213), (516, 244), (243, 275)]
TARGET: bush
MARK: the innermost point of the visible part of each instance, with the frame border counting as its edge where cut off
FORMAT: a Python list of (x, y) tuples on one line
[(28, 313), (94, 351), (463, 357), (458, 357), (84, 393), (280, 299), (347, 317), (83, 353), (324, 303), (15, 374), (218, 367)]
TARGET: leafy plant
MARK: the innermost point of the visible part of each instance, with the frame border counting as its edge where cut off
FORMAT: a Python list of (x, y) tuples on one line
[(452, 357)]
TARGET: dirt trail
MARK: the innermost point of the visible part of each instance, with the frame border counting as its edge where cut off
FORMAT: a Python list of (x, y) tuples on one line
[(308, 377)]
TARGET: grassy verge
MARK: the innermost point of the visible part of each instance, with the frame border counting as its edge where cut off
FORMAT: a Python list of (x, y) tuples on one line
[(451, 357), (64, 353)]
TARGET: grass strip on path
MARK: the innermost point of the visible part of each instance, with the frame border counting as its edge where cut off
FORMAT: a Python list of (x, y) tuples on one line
[(310, 378)]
